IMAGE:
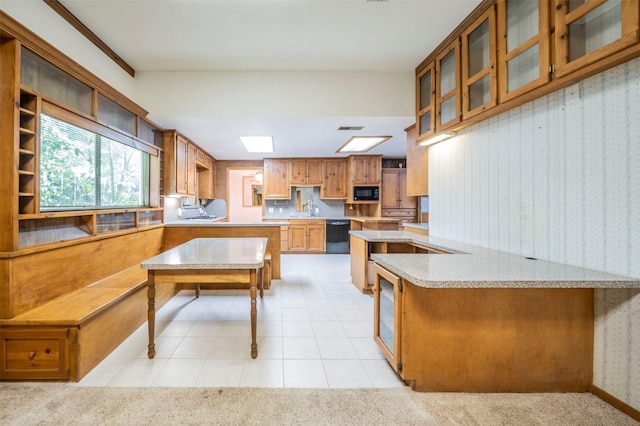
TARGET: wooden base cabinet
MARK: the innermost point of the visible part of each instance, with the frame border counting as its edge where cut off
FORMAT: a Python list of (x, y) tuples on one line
[(485, 339), (307, 236)]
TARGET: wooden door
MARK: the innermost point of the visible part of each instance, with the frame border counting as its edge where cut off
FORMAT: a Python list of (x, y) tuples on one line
[(374, 170), (417, 165), (315, 239), (192, 153), (334, 184), (181, 160), (314, 171), (405, 201), (298, 171), (359, 170), (276, 179), (297, 237), (390, 195)]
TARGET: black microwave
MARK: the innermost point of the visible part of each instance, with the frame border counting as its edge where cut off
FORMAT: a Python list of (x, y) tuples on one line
[(366, 193)]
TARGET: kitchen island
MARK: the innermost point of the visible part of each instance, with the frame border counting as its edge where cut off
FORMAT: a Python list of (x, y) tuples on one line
[(479, 320)]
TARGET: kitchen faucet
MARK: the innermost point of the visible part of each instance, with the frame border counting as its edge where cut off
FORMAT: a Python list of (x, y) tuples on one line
[(310, 207)]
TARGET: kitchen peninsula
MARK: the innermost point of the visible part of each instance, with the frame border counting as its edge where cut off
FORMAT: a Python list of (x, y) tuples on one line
[(474, 319)]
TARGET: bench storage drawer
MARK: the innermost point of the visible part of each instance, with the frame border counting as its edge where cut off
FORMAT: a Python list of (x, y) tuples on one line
[(35, 354)]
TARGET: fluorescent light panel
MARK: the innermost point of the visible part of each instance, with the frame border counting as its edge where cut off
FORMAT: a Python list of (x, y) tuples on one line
[(362, 143), (257, 143)]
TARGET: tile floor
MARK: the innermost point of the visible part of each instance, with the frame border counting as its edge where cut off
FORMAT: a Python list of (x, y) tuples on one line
[(314, 331)]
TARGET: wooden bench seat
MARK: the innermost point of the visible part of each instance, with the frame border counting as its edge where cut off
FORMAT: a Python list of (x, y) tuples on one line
[(68, 336), (83, 304)]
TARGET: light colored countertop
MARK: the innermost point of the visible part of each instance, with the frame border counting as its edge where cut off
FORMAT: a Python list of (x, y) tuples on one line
[(477, 267), (305, 217), (211, 253), (417, 226), (364, 219), (214, 222)]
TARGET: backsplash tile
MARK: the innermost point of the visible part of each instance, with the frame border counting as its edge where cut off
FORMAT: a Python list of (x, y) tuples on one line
[(558, 179)]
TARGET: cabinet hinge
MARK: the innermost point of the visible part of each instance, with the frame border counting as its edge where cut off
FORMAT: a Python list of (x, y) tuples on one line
[(552, 68), (400, 286), (399, 366)]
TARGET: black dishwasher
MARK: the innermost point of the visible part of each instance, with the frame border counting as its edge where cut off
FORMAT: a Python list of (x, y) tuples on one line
[(338, 236)]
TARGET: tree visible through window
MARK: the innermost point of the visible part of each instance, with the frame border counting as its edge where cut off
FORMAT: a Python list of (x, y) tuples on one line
[(82, 169)]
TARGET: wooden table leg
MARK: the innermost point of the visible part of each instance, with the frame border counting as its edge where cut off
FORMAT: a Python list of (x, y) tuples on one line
[(151, 313), (253, 291)]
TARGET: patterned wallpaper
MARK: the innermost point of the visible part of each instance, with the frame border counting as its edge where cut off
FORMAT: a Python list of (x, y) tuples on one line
[(558, 179)]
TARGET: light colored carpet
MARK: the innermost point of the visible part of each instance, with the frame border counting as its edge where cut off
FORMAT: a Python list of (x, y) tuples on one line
[(67, 404)]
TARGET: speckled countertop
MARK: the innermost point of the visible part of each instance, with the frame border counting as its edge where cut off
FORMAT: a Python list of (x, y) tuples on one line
[(211, 253), (477, 267), (214, 222)]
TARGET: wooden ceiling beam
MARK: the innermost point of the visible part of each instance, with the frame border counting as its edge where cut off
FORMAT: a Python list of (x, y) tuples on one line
[(85, 31)]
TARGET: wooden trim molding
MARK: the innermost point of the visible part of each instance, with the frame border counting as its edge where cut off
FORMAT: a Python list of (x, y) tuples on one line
[(85, 31), (615, 402)]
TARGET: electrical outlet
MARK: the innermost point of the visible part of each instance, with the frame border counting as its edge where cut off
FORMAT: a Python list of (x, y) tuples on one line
[(280, 209), (270, 209)]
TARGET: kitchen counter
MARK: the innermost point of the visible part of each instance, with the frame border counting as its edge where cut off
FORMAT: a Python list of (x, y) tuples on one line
[(493, 321), (471, 266), (220, 223)]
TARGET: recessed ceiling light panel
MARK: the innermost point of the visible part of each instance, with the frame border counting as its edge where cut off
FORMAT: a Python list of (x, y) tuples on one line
[(362, 143), (257, 143)]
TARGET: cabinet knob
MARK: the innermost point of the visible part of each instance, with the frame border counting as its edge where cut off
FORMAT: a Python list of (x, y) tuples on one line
[(31, 356)]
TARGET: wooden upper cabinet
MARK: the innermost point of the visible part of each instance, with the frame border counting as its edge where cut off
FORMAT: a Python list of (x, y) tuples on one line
[(479, 77), (448, 103), (417, 165), (366, 169), (523, 46), (590, 30), (180, 164), (425, 100), (334, 184), (276, 179), (306, 171)]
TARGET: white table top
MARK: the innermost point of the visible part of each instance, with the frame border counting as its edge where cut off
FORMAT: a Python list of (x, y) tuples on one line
[(212, 253)]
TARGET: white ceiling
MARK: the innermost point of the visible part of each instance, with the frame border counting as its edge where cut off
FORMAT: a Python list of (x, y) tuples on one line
[(175, 38)]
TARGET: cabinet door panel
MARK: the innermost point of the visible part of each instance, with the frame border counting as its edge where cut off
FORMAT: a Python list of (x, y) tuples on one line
[(276, 179), (314, 172), (316, 238), (523, 46), (334, 184), (591, 30), (297, 238)]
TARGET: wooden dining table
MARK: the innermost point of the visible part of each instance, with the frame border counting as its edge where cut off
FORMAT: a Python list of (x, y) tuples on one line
[(220, 262)]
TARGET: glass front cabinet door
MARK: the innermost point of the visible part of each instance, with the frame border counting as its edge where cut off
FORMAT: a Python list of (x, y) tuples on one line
[(448, 87), (388, 315), (425, 94), (479, 77), (590, 30), (523, 46)]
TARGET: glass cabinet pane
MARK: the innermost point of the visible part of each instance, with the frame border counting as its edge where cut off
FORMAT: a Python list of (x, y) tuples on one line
[(479, 48), (524, 68), (447, 74), (480, 92), (448, 110), (386, 318), (522, 22), (425, 122), (597, 28), (425, 90)]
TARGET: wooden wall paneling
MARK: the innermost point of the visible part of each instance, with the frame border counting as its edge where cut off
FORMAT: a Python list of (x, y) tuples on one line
[(39, 277), (9, 98)]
